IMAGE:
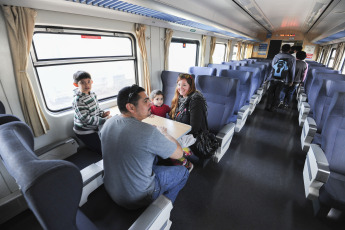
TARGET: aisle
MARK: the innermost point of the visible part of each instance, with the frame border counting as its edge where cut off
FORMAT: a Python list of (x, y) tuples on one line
[(258, 184)]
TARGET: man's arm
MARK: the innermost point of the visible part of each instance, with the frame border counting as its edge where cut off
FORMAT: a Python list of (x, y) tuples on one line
[(178, 153)]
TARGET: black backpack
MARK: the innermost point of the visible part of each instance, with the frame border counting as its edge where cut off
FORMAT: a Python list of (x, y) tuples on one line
[(280, 69)]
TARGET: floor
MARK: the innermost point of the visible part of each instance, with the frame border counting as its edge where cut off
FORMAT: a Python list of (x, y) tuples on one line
[(257, 185)]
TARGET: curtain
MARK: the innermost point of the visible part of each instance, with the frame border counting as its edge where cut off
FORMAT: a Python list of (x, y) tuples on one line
[(249, 50), (203, 50), (20, 23), (326, 54), (318, 54), (228, 49), (212, 48), (238, 55), (338, 55), (140, 32), (243, 50), (167, 41)]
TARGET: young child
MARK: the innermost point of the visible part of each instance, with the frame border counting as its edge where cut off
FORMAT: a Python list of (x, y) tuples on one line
[(158, 108), (87, 114)]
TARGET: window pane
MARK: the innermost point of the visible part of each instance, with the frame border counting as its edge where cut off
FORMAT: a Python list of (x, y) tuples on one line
[(234, 53), (219, 53), (108, 78), (78, 45), (181, 58)]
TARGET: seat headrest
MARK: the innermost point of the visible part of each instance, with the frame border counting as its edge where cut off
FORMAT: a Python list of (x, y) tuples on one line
[(243, 76), (222, 86), (5, 118), (333, 86), (52, 188)]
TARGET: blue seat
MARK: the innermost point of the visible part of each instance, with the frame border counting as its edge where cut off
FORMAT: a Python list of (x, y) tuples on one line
[(54, 189), (169, 79), (325, 185), (219, 67), (262, 73), (221, 96), (311, 75), (196, 70), (5, 118), (2, 108), (245, 79), (233, 64)]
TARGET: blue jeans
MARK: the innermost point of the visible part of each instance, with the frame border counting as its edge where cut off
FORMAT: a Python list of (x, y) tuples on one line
[(169, 180), (287, 92)]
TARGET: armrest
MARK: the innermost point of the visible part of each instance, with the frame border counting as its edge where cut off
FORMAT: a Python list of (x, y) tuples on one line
[(301, 98), (303, 113), (156, 216), (224, 136), (254, 99), (308, 133), (241, 117), (315, 171), (92, 178)]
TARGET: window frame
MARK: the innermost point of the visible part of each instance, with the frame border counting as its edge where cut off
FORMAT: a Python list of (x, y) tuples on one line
[(189, 41), (232, 53), (80, 60)]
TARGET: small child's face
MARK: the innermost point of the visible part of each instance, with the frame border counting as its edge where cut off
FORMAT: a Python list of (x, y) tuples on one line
[(85, 85), (158, 100)]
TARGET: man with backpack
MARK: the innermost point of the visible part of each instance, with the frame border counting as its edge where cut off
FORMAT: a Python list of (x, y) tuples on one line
[(282, 74)]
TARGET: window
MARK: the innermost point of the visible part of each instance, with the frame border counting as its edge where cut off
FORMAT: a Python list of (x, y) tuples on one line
[(183, 54), (58, 53), (234, 52), (219, 53), (320, 57), (331, 58)]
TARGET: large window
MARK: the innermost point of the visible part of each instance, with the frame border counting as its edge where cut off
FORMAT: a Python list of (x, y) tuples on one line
[(331, 58), (183, 54), (58, 53), (219, 53), (234, 52)]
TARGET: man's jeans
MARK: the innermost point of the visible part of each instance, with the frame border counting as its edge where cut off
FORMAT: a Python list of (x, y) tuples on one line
[(287, 93), (169, 180)]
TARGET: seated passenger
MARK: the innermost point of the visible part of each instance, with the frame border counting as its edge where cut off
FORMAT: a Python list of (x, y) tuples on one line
[(189, 106), (158, 108), (87, 114), (130, 149)]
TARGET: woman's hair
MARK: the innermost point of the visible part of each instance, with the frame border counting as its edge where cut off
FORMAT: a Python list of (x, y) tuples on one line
[(174, 103)]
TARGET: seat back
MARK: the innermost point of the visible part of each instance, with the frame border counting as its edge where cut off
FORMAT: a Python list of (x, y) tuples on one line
[(245, 80), (333, 134), (312, 71), (255, 77), (52, 188), (169, 79), (196, 70), (5, 118), (317, 83), (234, 64), (262, 71), (323, 99), (2, 108), (220, 94), (219, 67)]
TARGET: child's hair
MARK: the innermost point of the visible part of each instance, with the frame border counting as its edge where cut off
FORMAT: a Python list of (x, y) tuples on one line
[(79, 75), (155, 93), (301, 55)]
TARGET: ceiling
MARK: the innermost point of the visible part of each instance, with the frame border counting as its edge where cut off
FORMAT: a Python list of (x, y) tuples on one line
[(322, 21)]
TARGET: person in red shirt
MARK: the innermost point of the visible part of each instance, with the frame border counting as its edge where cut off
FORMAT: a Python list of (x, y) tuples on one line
[(158, 107)]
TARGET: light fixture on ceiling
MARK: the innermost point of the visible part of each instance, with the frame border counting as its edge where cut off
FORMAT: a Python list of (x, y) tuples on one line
[(254, 11), (319, 8)]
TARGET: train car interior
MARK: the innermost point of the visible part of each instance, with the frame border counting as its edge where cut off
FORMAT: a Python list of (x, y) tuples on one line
[(275, 166)]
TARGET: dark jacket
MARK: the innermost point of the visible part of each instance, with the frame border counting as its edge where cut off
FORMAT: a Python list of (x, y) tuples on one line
[(301, 68), (291, 64), (192, 111)]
